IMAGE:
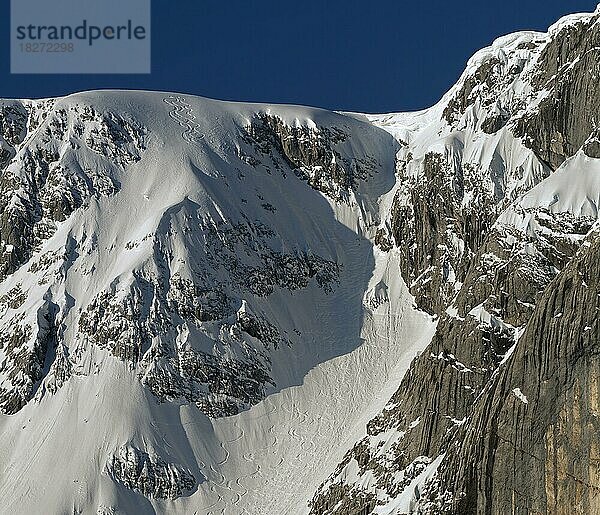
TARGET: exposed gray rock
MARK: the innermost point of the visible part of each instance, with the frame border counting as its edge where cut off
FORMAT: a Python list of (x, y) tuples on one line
[(507, 277), (24, 345), (311, 153), (436, 232), (13, 129), (531, 443), (568, 69), (149, 474)]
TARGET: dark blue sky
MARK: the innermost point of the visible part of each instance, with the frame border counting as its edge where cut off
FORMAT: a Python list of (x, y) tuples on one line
[(370, 56)]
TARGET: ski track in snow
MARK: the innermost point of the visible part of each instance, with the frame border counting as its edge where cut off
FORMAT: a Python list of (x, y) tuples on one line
[(183, 114), (292, 434), (269, 459), (297, 428)]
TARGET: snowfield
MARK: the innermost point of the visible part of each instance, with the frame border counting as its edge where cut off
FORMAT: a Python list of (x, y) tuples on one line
[(203, 303), (348, 347)]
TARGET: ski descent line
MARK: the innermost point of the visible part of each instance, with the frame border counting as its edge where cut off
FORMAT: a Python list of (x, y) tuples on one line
[(183, 114)]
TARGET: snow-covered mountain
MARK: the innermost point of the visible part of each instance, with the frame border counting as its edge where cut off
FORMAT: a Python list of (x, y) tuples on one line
[(497, 218), (212, 307)]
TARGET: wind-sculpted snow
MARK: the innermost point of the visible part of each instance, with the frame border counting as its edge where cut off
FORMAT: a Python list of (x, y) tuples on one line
[(178, 308), (485, 247), (197, 280), (257, 309)]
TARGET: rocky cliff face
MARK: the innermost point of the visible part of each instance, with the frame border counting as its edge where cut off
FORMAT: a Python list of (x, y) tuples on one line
[(187, 286), (530, 441), (456, 437), (567, 73), (188, 247)]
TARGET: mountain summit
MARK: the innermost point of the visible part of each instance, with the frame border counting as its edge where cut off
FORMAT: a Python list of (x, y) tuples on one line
[(215, 307)]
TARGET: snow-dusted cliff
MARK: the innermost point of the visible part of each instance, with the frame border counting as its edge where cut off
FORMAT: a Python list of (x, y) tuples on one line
[(212, 307), (167, 259), (500, 192)]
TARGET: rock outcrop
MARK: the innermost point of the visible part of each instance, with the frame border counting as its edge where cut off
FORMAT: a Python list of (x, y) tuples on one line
[(491, 417), (530, 441), (149, 474)]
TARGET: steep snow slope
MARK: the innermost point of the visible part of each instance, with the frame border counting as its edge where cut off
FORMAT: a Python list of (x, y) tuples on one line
[(168, 259), (204, 305), (496, 203)]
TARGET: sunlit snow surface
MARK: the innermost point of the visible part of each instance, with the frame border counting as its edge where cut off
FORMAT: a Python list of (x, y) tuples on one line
[(353, 345)]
